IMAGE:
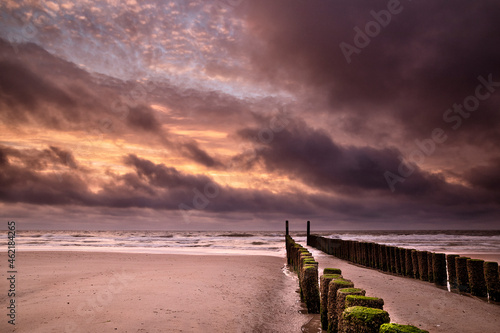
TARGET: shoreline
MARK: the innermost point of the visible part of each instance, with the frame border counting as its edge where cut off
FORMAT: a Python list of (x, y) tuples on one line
[(150, 250), (79, 291)]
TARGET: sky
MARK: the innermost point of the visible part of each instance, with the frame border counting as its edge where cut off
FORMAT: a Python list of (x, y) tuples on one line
[(241, 114)]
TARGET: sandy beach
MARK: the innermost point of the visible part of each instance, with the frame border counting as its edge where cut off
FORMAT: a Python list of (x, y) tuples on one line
[(112, 292), (121, 292), (419, 303)]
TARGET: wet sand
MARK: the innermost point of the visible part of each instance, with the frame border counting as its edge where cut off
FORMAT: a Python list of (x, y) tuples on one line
[(118, 292), (419, 303)]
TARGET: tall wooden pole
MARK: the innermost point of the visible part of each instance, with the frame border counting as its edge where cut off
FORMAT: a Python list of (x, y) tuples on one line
[(308, 231)]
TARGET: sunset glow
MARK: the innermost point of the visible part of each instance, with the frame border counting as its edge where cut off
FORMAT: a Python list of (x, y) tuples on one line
[(118, 113)]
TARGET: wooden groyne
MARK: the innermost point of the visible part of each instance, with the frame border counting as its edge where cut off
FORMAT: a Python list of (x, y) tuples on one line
[(342, 307), (300, 260), (460, 274)]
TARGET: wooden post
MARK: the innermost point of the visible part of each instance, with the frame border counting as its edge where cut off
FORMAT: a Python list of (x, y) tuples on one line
[(308, 231), (492, 280), (477, 282), (439, 268), (452, 271), (462, 275), (286, 228)]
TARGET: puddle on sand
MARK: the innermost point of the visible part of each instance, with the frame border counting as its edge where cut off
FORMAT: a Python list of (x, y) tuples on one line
[(313, 326)]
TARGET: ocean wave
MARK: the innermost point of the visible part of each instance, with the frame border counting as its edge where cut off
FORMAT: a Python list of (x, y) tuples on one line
[(235, 234)]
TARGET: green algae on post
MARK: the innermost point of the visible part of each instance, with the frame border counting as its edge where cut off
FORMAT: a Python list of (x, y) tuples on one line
[(310, 288), (368, 302), (341, 296), (358, 319), (335, 285), (324, 284), (397, 328), (332, 271), (477, 281)]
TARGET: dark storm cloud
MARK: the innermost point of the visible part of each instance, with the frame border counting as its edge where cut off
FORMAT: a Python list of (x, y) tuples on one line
[(38, 159), (485, 176), (23, 179), (427, 58), (162, 176), (311, 155), (355, 187), (143, 118), (192, 150), (150, 185), (157, 186), (65, 157)]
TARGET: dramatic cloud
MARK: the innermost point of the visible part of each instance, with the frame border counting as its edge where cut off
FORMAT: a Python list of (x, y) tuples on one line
[(364, 114)]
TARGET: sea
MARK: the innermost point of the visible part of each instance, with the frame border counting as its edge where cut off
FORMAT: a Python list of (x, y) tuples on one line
[(245, 243)]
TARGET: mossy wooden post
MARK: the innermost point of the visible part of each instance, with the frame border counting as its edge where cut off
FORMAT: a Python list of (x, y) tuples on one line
[(397, 328), (452, 270), (477, 281), (311, 288), (332, 271), (304, 258), (286, 228), (439, 268), (358, 319), (324, 284), (334, 286), (423, 269), (341, 296), (430, 267), (414, 262), (367, 302), (492, 280), (462, 275), (408, 263)]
